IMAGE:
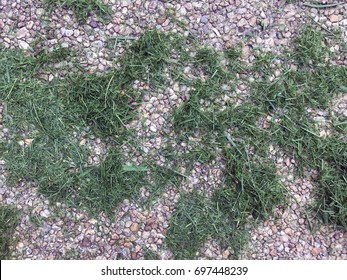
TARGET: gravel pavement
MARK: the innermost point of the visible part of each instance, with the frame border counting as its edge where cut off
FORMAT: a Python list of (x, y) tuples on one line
[(61, 232)]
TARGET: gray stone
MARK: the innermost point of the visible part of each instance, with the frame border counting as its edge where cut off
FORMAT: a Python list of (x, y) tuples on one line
[(65, 45), (183, 11), (1, 24), (23, 32), (2, 189), (45, 213), (97, 44), (30, 24), (242, 23), (252, 21), (66, 32), (40, 11), (204, 19), (23, 45), (93, 24), (153, 128), (189, 6)]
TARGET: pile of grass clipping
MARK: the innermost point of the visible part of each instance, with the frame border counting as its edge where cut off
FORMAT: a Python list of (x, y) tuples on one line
[(101, 105)]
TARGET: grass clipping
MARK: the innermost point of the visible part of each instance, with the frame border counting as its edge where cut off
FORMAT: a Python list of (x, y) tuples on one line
[(9, 218), (51, 112)]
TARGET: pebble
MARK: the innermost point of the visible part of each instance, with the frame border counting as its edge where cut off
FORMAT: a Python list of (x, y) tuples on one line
[(146, 234), (334, 18), (315, 252), (134, 227), (86, 242), (243, 22), (65, 45), (280, 248), (273, 253), (133, 255), (67, 32), (189, 6), (183, 11), (161, 20), (93, 24), (204, 19), (176, 87), (20, 246), (128, 224), (45, 213), (23, 45), (97, 44), (289, 232), (153, 128), (226, 254), (252, 21), (274, 229), (22, 33)]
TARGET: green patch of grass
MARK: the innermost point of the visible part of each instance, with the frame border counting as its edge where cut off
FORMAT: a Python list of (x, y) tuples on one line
[(43, 56), (233, 55), (72, 254), (102, 102), (194, 222), (82, 8), (36, 220), (148, 55), (111, 183), (310, 48), (206, 59), (312, 86), (331, 193), (9, 218), (251, 187), (149, 255), (51, 113)]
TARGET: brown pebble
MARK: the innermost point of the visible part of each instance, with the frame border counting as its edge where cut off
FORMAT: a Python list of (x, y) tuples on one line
[(273, 253), (115, 236), (334, 18), (274, 229), (132, 238), (148, 228), (134, 227), (161, 20), (86, 242), (324, 229), (150, 221), (315, 252), (133, 256), (289, 232)]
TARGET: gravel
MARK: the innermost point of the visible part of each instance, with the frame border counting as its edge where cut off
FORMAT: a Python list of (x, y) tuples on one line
[(62, 232)]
